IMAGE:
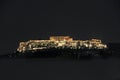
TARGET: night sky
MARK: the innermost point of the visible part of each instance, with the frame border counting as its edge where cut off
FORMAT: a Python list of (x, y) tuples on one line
[(22, 20)]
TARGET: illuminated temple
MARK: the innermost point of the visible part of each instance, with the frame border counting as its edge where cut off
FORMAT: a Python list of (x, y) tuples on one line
[(60, 42)]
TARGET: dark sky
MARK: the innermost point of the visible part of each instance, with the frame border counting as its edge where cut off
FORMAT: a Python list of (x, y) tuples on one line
[(22, 20)]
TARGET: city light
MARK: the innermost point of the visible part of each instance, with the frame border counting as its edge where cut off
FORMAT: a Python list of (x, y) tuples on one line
[(60, 42)]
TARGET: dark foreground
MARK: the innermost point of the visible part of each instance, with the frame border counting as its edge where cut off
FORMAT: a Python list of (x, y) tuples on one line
[(59, 69)]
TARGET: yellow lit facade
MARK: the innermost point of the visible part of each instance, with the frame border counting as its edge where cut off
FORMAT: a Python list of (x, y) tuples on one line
[(61, 42), (61, 38)]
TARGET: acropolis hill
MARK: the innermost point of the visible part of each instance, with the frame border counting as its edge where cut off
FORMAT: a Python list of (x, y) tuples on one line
[(60, 42)]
